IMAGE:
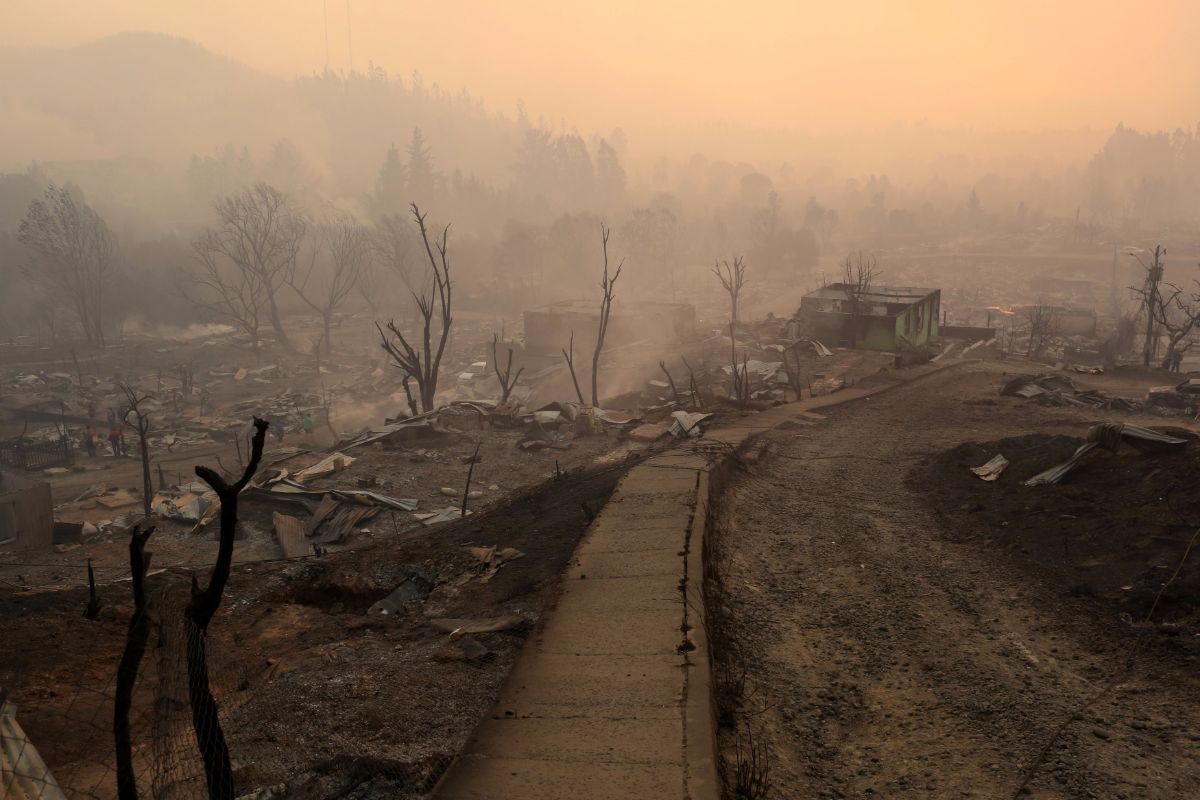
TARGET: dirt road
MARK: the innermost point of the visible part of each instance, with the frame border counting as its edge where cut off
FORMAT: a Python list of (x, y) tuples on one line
[(889, 656)]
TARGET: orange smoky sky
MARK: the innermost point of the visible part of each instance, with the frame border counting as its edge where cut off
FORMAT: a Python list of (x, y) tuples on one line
[(820, 68)]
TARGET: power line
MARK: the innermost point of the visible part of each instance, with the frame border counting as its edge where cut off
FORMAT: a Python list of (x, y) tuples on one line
[(349, 40)]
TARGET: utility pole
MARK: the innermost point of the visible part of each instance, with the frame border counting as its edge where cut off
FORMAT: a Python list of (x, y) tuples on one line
[(349, 40), (325, 10), (1154, 274)]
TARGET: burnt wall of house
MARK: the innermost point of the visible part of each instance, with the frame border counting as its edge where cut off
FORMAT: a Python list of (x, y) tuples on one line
[(26, 513)]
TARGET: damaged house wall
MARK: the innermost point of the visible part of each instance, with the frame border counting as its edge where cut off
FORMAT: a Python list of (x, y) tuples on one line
[(890, 317), (26, 513)]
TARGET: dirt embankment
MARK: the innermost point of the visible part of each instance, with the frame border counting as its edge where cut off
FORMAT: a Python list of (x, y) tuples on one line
[(1114, 529), (316, 694)]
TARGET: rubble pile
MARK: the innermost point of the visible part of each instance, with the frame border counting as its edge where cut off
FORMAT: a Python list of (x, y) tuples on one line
[(1059, 390)]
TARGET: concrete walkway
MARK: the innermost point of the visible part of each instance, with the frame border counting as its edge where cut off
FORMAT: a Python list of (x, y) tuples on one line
[(611, 696)]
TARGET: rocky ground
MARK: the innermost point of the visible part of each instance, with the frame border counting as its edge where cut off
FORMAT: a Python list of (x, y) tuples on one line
[(906, 633)]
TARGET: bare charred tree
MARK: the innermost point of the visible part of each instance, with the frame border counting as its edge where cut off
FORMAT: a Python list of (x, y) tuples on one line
[(506, 378), (858, 274), (732, 278), (206, 724), (740, 375), (791, 366), (1151, 298), (259, 234), (670, 381), (467, 488), (131, 659), (607, 285), (73, 256), (1043, 326), (187, 379), (134, 405), (1174, 313), (234, 295), (394, 242), (422, 365), (94, 604), (697, 400), (569, 355), (350, 251), (369, 288)]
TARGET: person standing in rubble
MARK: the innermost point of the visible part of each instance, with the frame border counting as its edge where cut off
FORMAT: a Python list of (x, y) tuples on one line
[(89, 440), (1177, 360), (308, 425), (114, 439), (279, 430)]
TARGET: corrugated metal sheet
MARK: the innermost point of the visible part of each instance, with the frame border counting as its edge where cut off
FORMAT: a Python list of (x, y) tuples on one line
[(290, 533)]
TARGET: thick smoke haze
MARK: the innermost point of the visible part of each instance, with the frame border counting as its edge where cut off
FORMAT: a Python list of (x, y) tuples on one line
[(791, 133), (700, 75)]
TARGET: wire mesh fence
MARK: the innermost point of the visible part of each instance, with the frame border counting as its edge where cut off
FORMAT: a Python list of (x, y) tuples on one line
[(359, 673), (59, 692)]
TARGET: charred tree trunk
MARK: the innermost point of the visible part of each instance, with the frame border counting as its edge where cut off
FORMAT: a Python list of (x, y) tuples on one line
[(671, 381), (142, 423), (606, 300), (206, 724), (277, 322), (569, 355), (506, 378), (131, 659)]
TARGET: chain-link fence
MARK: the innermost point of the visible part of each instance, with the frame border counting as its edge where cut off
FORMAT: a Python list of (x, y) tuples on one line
[(354, 674), (288, 735)]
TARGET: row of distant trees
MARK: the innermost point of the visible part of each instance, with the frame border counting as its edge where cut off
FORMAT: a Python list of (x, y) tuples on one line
[(262, 251), (260, 246)]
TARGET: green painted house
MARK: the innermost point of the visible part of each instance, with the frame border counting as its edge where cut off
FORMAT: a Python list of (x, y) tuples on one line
[(887, 318)]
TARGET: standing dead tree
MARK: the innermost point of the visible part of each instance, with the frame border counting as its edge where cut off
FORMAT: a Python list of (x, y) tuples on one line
[(259, 234), (569, 355), (506, 378), (135, 406), (791, 366), (393, 243), (693, 389), (73, 253), (740, 384), (732, 278), (198, 614), (187, 379), (1043, 325), (670, 381), (422, 365), (94, 604), (607, 285), (858, 274), (470, 473), (131, 659), (1151, 301), (350, 252), (236, 297), (1176, 314)]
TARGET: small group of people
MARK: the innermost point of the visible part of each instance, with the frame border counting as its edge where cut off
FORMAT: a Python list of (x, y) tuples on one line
[(306, 424), (1173, 362), (116, 439)]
